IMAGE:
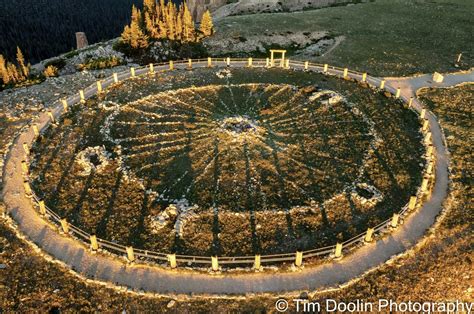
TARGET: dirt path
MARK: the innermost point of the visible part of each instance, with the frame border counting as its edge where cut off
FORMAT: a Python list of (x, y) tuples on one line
[(106, 268)]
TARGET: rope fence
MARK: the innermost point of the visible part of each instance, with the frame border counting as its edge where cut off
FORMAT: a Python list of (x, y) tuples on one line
[(172, 260)]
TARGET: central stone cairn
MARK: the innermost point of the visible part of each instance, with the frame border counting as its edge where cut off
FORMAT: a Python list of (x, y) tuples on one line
[(239, 125)]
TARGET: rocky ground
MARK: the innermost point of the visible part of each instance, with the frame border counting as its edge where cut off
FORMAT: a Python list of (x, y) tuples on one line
[(299, 44)]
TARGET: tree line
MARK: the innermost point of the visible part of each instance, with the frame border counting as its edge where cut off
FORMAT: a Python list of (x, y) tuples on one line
[(47, 28), (164, 21), (11, 73)]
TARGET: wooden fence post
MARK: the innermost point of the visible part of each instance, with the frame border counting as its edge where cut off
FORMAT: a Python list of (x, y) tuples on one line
[(24, 167), (299, 258), (429, 150), (116, 80), (397, 93), (227, 61), (364, 77), (42, 207), (325, 69), (424, 185), (428, 138), (132, 72), (338, 250), (429, 170), (412, 203), (190, 63), (51, 116), (171, 66), (250, 62), (152, 69), (410, 102), (267, 62), (368, 235), (215, 263), (26, 148), (209, 62), (172, 260), (426, 125), (94, 243), (394, 222), (27, 187), (65, 105), (346, 71), (287, 63), (65, 225), (82, 96), (257, 264), (382, 84), (99, 87), (423, 113), (306, 65), (130, 254), (35, 129)]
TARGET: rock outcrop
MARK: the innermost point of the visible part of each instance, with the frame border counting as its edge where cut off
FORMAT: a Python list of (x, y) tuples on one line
[(241, 7), (198, 7)]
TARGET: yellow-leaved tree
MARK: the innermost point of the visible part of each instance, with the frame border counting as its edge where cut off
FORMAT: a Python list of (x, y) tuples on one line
[(207, 27)]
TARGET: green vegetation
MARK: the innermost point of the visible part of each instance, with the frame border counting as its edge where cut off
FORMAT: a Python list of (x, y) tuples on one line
[(385, 37), (101, 63)]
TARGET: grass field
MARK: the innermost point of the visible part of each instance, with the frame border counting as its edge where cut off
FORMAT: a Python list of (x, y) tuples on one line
[(385, 37)]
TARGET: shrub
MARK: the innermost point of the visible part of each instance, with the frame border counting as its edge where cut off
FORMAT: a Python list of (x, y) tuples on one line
[(100, 63), (50, 71)]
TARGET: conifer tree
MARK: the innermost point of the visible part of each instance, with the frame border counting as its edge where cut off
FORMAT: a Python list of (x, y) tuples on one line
[(162, 29), (163, 11), (24, 70), (138, 38), (207, 27), (188, 24), (133, 34), (151, 28), (126, 34), (171, 21), (149, 6), (179, 26), (3, 71), (136, 16), (12, 72)]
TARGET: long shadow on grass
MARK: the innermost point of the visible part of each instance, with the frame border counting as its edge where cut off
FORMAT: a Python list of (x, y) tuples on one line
[(135, 238), (250, 205), (216, 245), (55, 151), (67, 170), (76, 217), (102, 225), (284, 202)]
